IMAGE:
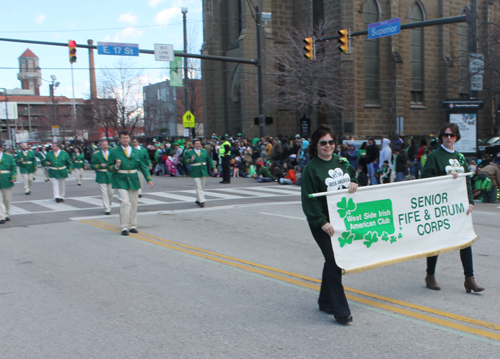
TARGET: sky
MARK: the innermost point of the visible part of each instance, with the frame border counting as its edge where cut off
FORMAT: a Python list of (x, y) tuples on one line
[(143, 22)]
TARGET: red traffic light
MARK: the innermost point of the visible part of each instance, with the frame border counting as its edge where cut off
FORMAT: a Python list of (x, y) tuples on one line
[(72, 51), (72, 43)]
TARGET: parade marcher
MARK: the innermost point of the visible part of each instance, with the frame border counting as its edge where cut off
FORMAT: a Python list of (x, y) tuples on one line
[(198, 159), (447, 161), (147, 161), (124, 162), (332, 298), (103, 176), (26, 160), (78, 160), (225, 157), (8, 174), (59, 165), (42, 154)]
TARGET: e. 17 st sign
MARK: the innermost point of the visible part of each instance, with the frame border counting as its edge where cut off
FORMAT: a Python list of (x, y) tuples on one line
[(118, 49), (384, 28)]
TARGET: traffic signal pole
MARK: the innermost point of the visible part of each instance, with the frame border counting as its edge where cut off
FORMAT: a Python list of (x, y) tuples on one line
[(260, 81)]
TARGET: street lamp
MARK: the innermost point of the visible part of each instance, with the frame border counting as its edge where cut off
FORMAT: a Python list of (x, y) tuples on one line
[(52, 87)]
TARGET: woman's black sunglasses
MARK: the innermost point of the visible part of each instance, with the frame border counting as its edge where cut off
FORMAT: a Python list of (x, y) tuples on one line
[(449, 135), (323, 143)]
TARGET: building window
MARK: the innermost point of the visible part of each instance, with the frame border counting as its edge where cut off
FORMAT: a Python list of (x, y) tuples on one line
[(372, 85), (318, 12), (417, 56)]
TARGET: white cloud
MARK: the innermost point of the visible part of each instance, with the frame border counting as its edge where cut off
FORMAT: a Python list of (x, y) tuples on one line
[(128, 17), (165, 16), (40, 18), (127, 33), (153, 3)]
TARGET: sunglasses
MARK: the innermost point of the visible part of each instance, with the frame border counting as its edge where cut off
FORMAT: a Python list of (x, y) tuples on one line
[(452, 135), (323, 143)]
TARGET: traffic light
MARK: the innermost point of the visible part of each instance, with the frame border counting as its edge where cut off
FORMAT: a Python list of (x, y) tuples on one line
[(344, 41), (309, 54), (72, 50)]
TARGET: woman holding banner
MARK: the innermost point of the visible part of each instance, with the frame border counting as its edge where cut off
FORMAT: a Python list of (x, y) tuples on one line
[(321, 174), (446, 161)]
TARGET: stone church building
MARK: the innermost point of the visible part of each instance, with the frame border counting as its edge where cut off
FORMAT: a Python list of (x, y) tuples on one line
[(403, 78)]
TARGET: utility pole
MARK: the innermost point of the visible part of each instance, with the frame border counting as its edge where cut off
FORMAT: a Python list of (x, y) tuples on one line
[(260, 81), (186, 76), (472, 21)]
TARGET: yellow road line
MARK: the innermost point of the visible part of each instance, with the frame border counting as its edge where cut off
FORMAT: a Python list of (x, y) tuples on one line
[(248, 266)]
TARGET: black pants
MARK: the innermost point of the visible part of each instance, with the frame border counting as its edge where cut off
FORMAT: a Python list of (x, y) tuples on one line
[(465, 256), (226, 172), (331, 295)]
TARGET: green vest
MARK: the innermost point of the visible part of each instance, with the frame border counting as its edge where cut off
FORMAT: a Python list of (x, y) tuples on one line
[(199, 165), (126, 176), (78, 160)]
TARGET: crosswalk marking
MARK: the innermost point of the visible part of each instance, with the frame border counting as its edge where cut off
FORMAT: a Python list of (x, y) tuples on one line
[(96, 201), (154, 198), (17, 210), (173, 196), (54, 206), (216, 194), (145, 200)]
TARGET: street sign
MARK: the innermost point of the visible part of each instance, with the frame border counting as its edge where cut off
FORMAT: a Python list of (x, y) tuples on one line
[(55, 130), (164, 52), (188, 120), (384, 28), (118, 49)]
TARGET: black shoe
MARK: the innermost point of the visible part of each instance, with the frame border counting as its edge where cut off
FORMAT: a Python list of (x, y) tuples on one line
[(326, 310), (197, 202), (107, 213), (2, 221), (133, 230), (62, 199), (58, 200), (344, 320), (7, 219), (222, 182), (226, 182), (79, 184), (140, 196), (202, 204), (125, 233)]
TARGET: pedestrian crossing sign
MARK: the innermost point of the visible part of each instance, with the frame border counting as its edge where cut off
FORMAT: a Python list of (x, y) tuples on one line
[(188, 120)]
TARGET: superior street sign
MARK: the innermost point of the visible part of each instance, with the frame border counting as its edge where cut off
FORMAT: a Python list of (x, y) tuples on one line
[(164, 52), (384, 28), (117, 49)]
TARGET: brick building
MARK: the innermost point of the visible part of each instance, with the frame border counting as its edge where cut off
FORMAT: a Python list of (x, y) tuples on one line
[(404, 76)]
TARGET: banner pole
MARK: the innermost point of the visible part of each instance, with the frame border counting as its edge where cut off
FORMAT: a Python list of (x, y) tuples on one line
[(365, 188)]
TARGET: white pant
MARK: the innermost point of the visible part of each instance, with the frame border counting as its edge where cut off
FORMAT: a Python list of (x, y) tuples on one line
[(28, 181), (141, 180), (58, 187), (5, 199), (199, 183), (128, 208), (107, 195), (78, 174)]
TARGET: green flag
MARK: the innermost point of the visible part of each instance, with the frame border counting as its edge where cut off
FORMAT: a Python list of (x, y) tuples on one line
[(176, 72)]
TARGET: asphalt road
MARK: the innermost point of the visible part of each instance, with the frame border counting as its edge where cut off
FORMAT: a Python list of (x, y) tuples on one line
[(236, 279)]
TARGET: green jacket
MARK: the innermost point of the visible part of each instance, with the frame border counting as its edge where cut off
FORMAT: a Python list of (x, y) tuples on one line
[(127, 180), (102, 175), (78, 160), (8, 171), (28, 163), (319, 177), (58, 167), (145, 155), (199, 165), (42, 156)]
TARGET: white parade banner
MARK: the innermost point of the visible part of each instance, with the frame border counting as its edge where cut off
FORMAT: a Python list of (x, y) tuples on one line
[(391, 223)]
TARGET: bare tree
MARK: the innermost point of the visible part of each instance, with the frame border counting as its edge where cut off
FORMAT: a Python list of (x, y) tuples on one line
[(296, 83), (123, 85)]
